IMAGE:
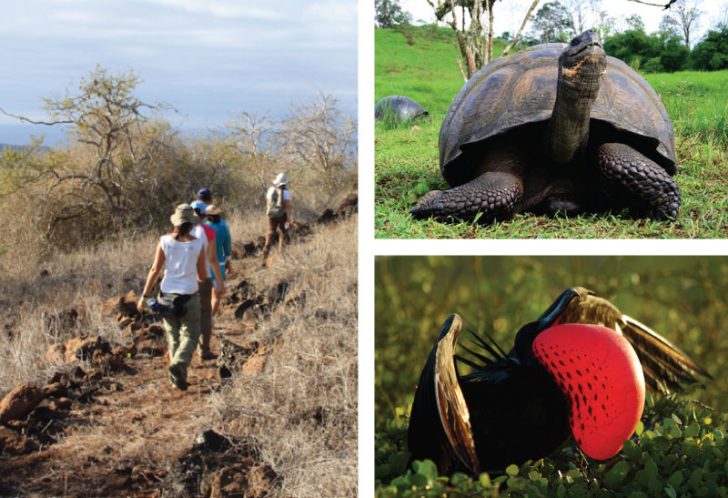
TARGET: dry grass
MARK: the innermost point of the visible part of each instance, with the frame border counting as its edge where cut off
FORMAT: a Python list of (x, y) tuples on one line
[(302, 408), (80, 281)]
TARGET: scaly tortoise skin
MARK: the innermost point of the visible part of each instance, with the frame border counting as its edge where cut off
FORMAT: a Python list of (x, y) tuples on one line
[(508, 145)]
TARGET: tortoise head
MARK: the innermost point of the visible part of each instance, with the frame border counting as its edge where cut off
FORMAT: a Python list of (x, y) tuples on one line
[(583, 61), (581, 66)]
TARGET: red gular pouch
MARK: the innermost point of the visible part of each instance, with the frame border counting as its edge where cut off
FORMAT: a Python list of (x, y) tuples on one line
[(600, 374)]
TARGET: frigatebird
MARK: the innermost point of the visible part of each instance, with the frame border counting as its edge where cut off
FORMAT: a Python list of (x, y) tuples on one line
[(578, 371)]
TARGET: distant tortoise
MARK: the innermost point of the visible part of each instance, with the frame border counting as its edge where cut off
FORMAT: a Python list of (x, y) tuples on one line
[(399, 107), (556, 127)]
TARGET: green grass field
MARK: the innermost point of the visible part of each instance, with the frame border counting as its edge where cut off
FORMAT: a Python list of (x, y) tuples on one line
[(406, 157)]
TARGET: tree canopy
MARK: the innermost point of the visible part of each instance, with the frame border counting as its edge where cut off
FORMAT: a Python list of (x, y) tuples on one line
[(389, 14), (711, 53)]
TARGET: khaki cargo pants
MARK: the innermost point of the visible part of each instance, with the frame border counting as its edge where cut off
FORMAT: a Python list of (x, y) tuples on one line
[(183, 332)]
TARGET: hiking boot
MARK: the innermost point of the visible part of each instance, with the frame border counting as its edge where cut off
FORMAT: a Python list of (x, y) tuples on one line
[(178, 376), (207, 355)]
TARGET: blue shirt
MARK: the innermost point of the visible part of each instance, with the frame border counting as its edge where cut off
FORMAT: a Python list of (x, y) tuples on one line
[(222, 240)]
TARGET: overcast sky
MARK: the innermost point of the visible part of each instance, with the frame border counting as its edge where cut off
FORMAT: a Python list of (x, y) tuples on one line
[(210, 59), (509, 13)]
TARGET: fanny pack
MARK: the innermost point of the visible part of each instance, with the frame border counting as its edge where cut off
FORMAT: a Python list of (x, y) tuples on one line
[(173, 304)]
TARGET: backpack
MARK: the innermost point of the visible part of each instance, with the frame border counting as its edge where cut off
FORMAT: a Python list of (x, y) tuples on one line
[(275, 206)]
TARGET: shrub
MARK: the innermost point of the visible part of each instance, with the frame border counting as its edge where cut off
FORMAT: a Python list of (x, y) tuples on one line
[(653, 65), (679, 449), (656, 52), (711, 53), (125, 172), (674, 54)]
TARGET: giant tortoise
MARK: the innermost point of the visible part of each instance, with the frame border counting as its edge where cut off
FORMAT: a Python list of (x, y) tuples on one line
[(556, 127), (399, 108)]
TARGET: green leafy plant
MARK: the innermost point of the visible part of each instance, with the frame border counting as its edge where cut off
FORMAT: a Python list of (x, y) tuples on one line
[(679, 450)]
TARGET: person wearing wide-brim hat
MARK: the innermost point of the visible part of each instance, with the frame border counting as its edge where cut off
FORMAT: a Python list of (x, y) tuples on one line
[(279, 212), (182, 258), (223, 247)]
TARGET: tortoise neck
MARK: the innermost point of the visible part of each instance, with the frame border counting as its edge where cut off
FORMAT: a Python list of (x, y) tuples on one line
[(568, 128)]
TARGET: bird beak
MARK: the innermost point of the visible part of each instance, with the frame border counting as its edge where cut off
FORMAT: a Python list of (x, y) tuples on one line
[(601, 376)]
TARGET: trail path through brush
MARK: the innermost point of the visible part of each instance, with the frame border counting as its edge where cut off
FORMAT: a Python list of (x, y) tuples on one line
[(109, 422), (136, 425)]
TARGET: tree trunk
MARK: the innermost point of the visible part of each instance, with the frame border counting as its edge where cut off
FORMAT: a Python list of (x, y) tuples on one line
[(517, 36), (489, 43), (461, 39)]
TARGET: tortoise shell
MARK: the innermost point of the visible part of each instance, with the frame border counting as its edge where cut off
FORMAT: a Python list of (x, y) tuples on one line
[(520, 89), (402, 108)]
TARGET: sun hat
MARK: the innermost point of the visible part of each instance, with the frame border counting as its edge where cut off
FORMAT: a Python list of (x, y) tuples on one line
[(280, 180), (199, 207), (204, 194), (184, 213), (213, 210)]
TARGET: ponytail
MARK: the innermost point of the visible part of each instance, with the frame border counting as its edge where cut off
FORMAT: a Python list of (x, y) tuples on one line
[(181, 230)]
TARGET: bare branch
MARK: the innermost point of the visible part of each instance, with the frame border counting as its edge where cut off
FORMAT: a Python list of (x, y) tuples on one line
[(28, 120), (460, 67), (666, 6), (489, 42), (517, 36)]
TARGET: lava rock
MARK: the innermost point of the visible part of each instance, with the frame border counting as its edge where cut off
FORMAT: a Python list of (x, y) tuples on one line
[(19, 402)]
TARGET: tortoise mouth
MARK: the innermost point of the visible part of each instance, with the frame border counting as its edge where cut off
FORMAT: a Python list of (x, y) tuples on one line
[(587, 46)]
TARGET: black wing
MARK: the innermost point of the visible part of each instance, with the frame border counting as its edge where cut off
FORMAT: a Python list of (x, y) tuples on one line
[(440, 421)]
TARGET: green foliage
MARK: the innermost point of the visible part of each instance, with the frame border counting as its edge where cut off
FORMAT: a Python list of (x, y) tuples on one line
[(674, 54), (711, 53), (631, 44), (653, 53), (552, 23), (388, 14), (407, 164), (20, 167), (653, 65), (673, 458), (635, 23)]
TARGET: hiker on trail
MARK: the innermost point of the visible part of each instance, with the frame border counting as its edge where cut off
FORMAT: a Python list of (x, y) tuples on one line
[(222, 247), (204, 195), (207, 235), (279, 212), (181, 255)]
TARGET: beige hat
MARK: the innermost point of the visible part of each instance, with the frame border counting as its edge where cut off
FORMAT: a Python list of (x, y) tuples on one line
[(280, 180), (184, 213), (213, 210)]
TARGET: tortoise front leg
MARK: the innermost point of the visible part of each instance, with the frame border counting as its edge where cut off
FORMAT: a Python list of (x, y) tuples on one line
[(645, 181), (495, 194)]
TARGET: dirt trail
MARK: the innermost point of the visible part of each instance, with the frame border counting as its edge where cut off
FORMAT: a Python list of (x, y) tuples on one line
[(109, 426)]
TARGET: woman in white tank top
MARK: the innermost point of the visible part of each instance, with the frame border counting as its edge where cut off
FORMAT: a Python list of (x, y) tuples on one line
[(182, 258)]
